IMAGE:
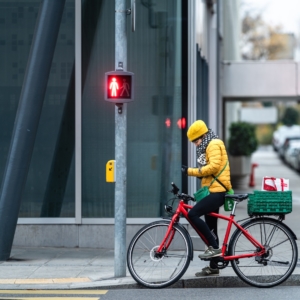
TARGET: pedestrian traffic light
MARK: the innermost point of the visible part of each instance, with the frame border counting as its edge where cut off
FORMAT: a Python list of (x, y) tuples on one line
[(119, 86)]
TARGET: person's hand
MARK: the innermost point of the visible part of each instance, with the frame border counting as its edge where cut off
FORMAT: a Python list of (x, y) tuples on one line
[(184, 169)]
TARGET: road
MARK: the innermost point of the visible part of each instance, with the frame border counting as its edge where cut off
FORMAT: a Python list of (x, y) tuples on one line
[(279, 293), (248, 293), (53, 294)]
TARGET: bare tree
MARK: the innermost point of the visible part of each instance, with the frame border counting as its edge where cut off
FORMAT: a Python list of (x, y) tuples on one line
[(261, 41)]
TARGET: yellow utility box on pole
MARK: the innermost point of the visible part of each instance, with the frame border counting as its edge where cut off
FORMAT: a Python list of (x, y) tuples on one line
[(110, 171)]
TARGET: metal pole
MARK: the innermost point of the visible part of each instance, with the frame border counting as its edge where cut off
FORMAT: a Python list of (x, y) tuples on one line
[(27, 120), (120, 145)]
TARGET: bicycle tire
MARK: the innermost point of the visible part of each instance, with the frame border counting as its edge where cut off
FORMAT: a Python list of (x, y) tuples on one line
[(279, 261), (153, 272)]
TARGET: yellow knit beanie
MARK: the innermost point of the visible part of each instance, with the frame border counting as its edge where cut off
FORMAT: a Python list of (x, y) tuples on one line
[(197, 129)]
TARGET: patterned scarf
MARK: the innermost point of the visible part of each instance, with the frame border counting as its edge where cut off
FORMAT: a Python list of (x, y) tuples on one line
[(201, 156)]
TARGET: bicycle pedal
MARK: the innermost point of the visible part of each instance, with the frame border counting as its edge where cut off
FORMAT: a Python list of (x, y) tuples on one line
[(207, 259), (218, 258)]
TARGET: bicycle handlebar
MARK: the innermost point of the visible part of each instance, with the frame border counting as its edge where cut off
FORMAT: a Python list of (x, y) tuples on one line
[(184, 197)]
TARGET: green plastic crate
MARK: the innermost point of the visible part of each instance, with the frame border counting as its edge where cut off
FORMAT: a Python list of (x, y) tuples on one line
[(270, 203)]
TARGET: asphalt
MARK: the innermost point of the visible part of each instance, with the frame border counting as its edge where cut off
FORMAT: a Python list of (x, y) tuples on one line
[(82, 268)]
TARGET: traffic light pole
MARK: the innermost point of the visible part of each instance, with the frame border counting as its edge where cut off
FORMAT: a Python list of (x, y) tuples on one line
[(120, 144)]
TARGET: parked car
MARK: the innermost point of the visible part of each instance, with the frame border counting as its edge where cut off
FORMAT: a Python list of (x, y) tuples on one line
[(297, 162), (282, 136), (291, 152), (276, 136), (295, 159), (282, 150)]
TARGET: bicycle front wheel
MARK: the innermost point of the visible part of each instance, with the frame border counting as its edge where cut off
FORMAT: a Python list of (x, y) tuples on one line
[(158, 270), (279, 261)]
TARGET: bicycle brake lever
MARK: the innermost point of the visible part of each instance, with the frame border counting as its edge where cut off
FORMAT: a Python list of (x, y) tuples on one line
[(175, 189)]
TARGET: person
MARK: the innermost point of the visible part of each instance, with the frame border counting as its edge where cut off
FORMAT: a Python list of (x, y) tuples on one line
[(212, 162)]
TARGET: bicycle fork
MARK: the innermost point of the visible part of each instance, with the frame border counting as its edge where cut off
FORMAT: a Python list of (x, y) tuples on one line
[(167, 238)]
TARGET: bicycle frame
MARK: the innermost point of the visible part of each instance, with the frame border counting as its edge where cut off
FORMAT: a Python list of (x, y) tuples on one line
[(183, 209)]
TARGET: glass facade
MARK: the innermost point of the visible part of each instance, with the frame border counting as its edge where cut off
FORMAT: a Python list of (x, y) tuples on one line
[(154, 139), (49, 190), (154, 133)]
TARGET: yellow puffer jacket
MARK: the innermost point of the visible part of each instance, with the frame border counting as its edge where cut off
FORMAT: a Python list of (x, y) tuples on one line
[(216, 157)]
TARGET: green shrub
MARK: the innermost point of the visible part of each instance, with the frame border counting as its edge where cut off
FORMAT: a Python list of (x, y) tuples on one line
[(290, 116), (242, 140)]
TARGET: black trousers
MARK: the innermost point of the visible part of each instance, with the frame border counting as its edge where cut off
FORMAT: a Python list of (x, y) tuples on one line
[(209, 204)]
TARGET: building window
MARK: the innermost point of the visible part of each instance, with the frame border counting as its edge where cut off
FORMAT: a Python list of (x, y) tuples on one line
[(154, 124), (49, 190)]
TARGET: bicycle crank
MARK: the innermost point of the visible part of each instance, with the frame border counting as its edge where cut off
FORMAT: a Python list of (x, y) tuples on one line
[(219, 263)]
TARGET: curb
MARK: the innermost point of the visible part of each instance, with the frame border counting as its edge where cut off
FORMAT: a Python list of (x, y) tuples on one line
[(209, 282)]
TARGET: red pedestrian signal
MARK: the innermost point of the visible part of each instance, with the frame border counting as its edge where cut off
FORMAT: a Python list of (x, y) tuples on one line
[(119, 86)]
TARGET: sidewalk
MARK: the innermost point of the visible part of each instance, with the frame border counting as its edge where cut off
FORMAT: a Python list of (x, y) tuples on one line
[(81, 268)]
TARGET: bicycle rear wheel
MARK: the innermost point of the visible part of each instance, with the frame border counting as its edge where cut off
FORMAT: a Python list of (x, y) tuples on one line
[(154, 270), (279, 261)]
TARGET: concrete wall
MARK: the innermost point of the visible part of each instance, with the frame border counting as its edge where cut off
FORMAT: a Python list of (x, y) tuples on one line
[(84, 236), (231, 24), (261, 79)]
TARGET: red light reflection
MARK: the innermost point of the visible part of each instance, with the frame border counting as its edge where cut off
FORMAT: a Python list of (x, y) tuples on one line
[(181, 123), (168, 122)]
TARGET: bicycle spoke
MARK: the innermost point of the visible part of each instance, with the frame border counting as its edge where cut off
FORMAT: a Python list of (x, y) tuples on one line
[(153, 269), (279, 260), (279, 243)]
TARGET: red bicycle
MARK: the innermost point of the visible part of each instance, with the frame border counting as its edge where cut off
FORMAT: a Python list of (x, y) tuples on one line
[(262, 250)]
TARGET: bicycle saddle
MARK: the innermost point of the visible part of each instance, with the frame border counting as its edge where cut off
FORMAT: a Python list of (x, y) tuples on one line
[(237, 197)]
